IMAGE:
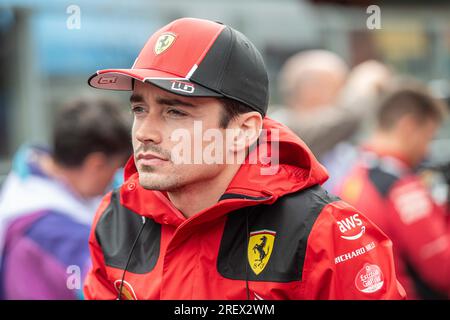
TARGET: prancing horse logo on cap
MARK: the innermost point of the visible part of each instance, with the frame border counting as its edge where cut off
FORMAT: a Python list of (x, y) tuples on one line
[(164, 42)]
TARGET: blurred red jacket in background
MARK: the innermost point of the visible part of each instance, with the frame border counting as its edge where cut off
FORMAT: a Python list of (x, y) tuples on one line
[(391, 195)]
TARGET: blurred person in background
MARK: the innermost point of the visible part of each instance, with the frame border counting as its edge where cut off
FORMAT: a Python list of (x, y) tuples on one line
[(48, 200), (385, 185), (325, 104)]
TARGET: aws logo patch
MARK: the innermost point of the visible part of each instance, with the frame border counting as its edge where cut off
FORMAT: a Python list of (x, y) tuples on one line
[(351, 228)]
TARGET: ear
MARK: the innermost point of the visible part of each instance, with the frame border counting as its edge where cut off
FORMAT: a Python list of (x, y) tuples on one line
[(95, 161), (247, 128), (407, 125)]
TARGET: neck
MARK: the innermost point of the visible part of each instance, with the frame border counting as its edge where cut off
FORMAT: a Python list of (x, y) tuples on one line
[(388, 144), (69, 176), (198, 196)]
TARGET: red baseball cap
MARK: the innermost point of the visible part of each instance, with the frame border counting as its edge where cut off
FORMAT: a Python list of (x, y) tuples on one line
[(198, 58)]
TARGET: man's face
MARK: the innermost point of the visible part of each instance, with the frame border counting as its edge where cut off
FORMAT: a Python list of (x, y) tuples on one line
[(157, 116), (419, 140), (97, 173)]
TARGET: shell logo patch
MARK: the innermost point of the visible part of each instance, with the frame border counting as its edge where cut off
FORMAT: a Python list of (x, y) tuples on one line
[(369, 279), (127, 290), (260, 246)]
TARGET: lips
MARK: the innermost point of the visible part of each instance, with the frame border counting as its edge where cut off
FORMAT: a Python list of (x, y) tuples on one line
[(149, 159), (149, 156)]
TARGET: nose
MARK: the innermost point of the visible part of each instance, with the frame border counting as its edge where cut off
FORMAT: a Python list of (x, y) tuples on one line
[(147, 130)]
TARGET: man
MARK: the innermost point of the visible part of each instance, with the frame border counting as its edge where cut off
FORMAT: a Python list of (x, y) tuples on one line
[(202, 229), (386, 187), (49, 199), (325, 103)]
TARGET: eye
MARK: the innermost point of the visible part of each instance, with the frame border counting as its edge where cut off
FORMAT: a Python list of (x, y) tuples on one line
[(176, 112), (137, 109)]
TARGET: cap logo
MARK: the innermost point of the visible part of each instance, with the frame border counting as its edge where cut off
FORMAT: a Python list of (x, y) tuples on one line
[(164, 42), (107, 80), (181, 86)]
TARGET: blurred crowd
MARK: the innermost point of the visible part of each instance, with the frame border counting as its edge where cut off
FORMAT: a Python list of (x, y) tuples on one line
[(49, 198), (370, 127)]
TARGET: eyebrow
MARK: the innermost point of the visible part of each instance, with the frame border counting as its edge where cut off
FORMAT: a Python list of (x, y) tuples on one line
[(173, 102), (135, 98)]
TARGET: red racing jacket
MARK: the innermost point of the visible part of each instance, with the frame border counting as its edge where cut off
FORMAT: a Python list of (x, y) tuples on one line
[(396, 199), (278, 236)]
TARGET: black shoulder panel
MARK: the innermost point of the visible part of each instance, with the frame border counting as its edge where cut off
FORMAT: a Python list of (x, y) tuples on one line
[(116, 232), (291, 217), (382, 180)]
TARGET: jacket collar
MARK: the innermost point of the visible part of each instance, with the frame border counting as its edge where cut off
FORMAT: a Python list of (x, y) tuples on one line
[(297, 169)]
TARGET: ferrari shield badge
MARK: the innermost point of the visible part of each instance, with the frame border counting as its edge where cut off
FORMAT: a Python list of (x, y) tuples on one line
[(164, 42), (260, 246)]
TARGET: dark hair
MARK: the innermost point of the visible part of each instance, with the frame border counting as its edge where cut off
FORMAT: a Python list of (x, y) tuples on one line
[(88, 125), (231, 109), (409, 100)]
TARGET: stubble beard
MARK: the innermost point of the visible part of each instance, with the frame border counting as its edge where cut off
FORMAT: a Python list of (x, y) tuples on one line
[(149, 180)]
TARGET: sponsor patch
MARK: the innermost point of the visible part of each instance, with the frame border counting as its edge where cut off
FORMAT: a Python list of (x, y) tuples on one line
[(181, 86), (369, 279), (107, 80), (355, 253), (351, 228), (412, 203), (127, 290)]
